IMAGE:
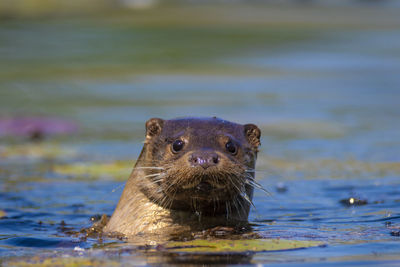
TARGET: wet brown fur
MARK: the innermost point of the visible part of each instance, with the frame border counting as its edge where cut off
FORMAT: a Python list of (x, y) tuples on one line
[(164, 193)]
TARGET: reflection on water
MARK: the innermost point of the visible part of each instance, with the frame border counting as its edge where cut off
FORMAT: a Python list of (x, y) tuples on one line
[(325, 96)]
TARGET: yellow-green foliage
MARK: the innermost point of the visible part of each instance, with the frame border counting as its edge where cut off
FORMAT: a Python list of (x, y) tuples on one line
[(61, 261), (325, 168), (253, 245), (118, 170), (36, 151), (50, 7)]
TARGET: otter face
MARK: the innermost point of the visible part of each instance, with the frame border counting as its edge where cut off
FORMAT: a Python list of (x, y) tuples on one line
[(202, 162)]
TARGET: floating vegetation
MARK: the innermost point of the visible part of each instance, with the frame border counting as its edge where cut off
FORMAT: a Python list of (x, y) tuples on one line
[(238, 246), (328, 168), (117, 170), (40, 151), (38, 261), (304, 129)]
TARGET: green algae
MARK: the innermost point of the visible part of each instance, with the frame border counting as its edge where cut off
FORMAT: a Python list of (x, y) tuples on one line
[(326, 167), (36, 151), (238, 246), (61, 261), (117, 170)]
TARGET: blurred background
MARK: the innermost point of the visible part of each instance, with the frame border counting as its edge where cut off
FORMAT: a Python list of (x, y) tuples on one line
[(78, 80)]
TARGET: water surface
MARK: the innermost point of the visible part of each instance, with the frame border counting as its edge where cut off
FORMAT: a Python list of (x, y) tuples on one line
[(325, 95)]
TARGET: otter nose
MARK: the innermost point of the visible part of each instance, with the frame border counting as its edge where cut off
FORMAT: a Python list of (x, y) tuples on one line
[(204, 159)]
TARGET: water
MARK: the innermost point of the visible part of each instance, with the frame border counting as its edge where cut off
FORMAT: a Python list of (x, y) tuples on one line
[(326, 97)]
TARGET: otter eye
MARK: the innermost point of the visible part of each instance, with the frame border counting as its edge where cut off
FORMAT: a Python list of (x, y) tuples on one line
[(230, 146), (177, 145)]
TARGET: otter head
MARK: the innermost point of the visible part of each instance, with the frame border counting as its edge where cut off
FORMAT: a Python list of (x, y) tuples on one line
[(199, 164)]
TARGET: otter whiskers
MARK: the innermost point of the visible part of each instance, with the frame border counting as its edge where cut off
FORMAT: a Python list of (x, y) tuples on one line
[(192, 173), (250, 180)]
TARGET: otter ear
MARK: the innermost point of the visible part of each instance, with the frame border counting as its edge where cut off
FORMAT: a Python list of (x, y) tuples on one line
[(252, 134), (154, 127)]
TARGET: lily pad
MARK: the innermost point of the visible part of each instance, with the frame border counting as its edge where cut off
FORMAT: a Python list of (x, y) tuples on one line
[(118, 170), (238, 246)]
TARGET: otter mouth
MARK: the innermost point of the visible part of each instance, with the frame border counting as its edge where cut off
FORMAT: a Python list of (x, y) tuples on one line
[(206, 187), (203, 187), (204, 190), (204, 183)]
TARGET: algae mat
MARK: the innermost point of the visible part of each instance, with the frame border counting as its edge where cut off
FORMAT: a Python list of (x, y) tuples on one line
[(238, 246), (184, 248)]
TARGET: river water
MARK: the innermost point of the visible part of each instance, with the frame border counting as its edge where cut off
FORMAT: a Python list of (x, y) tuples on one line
[(325, 94)]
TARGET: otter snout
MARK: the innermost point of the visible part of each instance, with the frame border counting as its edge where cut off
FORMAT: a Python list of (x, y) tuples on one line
[(204, 158)]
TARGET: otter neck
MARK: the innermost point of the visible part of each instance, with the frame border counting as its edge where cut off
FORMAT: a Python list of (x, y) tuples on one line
[(191, 212)]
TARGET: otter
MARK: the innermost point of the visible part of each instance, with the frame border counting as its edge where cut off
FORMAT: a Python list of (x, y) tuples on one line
[(192, 174)]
